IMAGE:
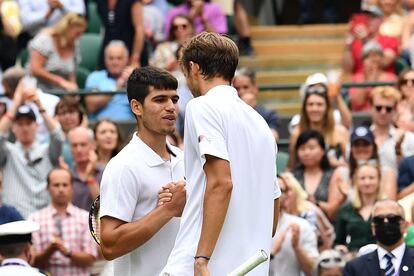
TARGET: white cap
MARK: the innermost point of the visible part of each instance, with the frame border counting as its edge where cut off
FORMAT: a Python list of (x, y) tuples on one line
[(312, 80), (17, 231)]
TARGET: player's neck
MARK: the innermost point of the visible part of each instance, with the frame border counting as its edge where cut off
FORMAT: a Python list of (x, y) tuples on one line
[(206, 85), (156, 143)]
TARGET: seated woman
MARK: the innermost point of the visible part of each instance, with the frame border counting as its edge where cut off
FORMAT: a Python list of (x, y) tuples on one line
[(301, 207), (108, 141), (54, 53), (354, 219), (317, 114), (405, 108), (314, 173), (363, 150)]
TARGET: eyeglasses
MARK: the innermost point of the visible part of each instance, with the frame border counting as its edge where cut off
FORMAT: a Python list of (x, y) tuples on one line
[(388, 109), (380, 219), (407, 81), (180, 26), (316, 90)]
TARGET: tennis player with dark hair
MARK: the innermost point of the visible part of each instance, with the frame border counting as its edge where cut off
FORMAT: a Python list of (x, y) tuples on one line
[(230, 157), (136, 231)]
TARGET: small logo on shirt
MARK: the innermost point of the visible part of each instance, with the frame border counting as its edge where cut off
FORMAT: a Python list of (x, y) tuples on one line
[(201, 138)]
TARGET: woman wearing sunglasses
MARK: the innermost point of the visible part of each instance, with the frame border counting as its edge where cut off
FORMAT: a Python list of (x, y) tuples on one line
[(317, 114), (353, 222), (405, 108)]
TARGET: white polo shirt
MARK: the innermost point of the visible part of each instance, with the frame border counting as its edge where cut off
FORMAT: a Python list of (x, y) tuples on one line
[(129, 191), (222, 125)]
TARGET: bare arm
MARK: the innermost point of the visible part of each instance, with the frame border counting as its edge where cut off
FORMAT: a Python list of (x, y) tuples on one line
[(216, 201), (119, 237), (406, 191), (335, 197), (138, 22), (37, 63), (95, 102), (346, 115), (82, 259)]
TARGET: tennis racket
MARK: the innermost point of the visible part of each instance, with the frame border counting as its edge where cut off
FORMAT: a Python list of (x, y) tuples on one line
[(94, 221), (250, 264)]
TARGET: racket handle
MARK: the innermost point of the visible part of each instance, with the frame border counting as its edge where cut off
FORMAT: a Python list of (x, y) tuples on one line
[(250, 264)]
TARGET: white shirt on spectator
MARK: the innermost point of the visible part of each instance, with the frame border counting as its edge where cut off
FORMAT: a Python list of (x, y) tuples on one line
[(32, 13), (220, 124), (396, 261), (129, 191), (285, 261)]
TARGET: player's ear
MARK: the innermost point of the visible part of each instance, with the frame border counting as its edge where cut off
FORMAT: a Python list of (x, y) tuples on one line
[(195, 68), (136, 107)]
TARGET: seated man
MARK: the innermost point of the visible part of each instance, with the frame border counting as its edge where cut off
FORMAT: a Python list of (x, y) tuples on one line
[(63, 245), (245, 83), (26, 162), (115, 106)]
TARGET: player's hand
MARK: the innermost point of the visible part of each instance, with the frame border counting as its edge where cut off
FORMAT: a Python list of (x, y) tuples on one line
[(295, 230), (200, 267), (178, 198), (164, 194)]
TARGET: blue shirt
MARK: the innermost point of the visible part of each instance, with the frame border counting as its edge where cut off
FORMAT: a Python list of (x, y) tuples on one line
[(9, 214), (118, 107)]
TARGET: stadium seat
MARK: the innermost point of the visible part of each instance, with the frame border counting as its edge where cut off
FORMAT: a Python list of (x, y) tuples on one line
[(94, 22), (90, 45), (281, 161), (23, 57), (81, 76), (400, 65)]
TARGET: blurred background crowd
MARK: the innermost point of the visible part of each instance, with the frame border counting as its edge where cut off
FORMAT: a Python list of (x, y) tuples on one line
[(343, 147)]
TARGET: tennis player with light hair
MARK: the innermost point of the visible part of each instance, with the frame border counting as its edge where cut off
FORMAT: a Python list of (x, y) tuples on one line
[(230, 156), (136, 230)]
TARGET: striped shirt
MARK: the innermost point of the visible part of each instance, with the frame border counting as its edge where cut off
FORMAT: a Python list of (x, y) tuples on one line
[(25, 171), (73, 230)]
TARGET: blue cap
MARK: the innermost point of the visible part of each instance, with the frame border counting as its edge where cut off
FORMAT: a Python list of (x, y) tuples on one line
[(362, 133)]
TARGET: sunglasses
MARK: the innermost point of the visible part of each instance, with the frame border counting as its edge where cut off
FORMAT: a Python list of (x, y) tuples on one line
[(388, 109), (180, 26), (407, 81), (380, 219), (316, 90)]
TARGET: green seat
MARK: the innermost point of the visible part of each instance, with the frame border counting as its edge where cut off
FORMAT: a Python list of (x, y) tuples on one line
[(81, 76), (90, 45), (231, 30), (281, 161), (23, 57), (94, 22), (400, 65)]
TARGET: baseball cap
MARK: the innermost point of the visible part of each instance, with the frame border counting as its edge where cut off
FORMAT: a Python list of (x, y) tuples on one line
[(317, 78), (25, 110), (17, 231), (373, 10), (371, 46), (364, 133)]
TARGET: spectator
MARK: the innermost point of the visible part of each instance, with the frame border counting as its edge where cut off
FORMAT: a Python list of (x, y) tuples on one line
[(392, 22), (153, 22), (16, 248), (329, 263), (406, 177), (353, 222), (314, 173), (392, 257), (69, 114), (36, 15), (372, 62), (113, 78), (10, 27), (405, 108), (86, 174), (364, 150), (63, 244), (108, 141), (317, 114), (294, 248), (245, 83), (301, 207), (26, 162), (11, 78), (206, 16), (54, 53), (368, 30), (7, 213), (165, 54), (123, 20), (393, 143)]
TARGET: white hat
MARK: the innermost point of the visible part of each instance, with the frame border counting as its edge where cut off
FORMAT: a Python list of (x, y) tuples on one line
[(17, 231), (312, 80)]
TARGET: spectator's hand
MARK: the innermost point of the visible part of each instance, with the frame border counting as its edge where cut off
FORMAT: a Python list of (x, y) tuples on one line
[(197, 7), (200, 267), (19, 94), (55, 4), (67, 85), (361, 31), (91, 167), (277, 245), (295, 230), (122, 80), (57, 244), (63, 164)]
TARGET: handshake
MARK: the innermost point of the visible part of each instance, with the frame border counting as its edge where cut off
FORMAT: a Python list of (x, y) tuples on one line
[(173, 197)]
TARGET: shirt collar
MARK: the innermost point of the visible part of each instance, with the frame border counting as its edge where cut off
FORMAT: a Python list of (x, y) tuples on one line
[(149, 155), (222, 89), (16, 261), (69, 210), (398, 252)]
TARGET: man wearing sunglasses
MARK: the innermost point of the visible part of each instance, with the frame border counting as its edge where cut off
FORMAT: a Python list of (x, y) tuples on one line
[(392, 257), (393, 143)]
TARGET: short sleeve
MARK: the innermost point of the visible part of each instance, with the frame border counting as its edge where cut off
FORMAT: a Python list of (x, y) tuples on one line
[(42, 43), (276, 190), (205, 124), (119, 192)]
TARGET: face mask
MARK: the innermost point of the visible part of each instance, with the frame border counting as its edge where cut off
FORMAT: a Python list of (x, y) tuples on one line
[(388, 233)]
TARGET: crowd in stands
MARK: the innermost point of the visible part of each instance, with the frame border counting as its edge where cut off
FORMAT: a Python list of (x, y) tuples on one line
[(53, 150)]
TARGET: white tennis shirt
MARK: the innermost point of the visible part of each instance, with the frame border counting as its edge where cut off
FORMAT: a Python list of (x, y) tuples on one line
[(222, 125), (129, 191)]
